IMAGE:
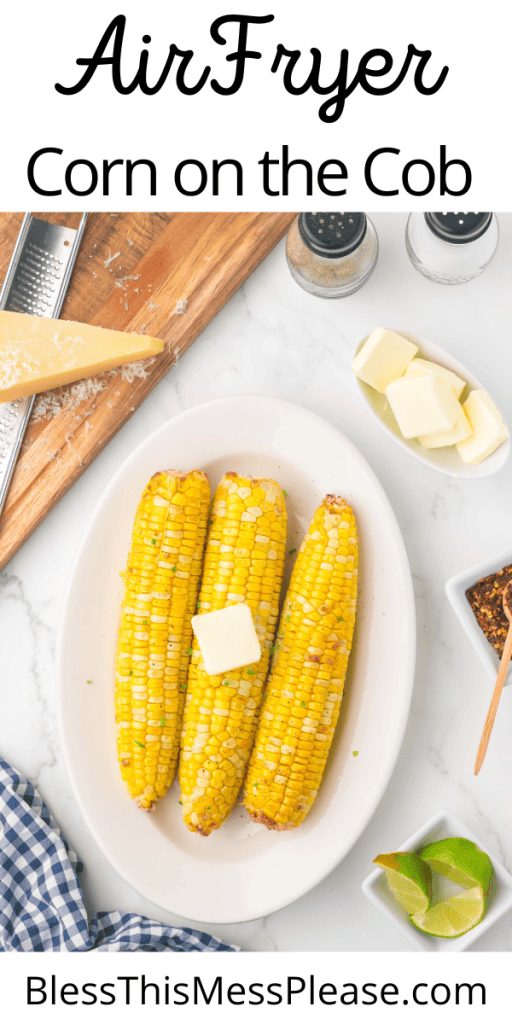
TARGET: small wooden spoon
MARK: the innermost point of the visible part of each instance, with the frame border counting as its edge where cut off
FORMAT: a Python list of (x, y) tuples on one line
[(505, 658)]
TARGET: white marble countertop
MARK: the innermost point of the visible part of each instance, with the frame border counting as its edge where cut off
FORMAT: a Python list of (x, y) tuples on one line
[(274, 339)]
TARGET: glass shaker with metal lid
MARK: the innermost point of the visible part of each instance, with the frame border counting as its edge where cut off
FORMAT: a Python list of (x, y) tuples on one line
[(331, 255), (451, 247)]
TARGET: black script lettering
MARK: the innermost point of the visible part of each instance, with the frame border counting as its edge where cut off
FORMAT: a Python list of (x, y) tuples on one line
[(340, 88), (116, 31), (241, 54)]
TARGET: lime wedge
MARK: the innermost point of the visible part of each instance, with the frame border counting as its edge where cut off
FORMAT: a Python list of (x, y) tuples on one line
[(409, 880), (460, 861), (453, 917)]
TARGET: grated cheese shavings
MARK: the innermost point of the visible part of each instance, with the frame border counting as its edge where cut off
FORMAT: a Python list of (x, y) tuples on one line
[(51, 403), (137, 369), (67, 398), (110, 259), (119, 281)]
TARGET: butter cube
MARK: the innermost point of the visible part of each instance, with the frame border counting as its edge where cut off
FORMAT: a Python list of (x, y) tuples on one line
[(443, 438), (38, 353), (227, 639), (420, 367), (384, 356), (489, 430), (423, 405)]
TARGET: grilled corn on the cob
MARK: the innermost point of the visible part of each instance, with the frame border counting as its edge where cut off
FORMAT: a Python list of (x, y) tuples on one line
[(161, 585), (243, 562), (308, 672)]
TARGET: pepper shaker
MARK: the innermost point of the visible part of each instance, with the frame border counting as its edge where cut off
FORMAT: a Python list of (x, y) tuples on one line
[(332, 255), (451, 248)]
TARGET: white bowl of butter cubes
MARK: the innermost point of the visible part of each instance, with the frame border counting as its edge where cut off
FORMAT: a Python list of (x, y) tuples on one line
[(431, 404)]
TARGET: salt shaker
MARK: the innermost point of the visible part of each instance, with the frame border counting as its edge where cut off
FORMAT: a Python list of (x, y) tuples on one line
[(332, 255), (451, 247)]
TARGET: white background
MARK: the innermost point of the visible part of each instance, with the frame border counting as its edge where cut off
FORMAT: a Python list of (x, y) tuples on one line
[(41, 45)]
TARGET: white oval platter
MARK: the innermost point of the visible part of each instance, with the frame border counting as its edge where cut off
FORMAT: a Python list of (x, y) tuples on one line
[(242, 871)]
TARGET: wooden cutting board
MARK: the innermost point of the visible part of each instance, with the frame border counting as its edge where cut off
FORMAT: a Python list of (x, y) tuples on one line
[(161, 274)]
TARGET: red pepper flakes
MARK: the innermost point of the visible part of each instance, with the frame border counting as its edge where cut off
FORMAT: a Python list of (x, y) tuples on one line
[(485, 598)]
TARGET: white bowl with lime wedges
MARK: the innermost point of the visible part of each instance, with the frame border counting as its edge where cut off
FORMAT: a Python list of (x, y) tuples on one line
[(443, 889)]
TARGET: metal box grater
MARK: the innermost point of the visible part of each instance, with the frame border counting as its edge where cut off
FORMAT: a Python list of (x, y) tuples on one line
[(36, 282)]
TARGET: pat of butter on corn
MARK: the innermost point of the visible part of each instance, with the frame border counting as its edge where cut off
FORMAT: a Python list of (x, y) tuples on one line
[(384, 356), (423, 405), (227, 639), (38, 353)]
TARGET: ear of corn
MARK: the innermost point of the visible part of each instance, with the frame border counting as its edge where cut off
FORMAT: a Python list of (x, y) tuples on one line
[(161, 586), (308, 672), (244, 561)]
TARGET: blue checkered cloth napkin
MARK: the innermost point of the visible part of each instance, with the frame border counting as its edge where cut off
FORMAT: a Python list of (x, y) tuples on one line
[(41, 901)]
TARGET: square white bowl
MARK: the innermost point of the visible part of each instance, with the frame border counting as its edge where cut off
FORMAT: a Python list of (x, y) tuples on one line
[(456, 594), (442, 826)]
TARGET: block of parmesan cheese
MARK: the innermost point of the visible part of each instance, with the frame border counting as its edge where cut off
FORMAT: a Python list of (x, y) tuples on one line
[(37, 353), (489, 430)]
